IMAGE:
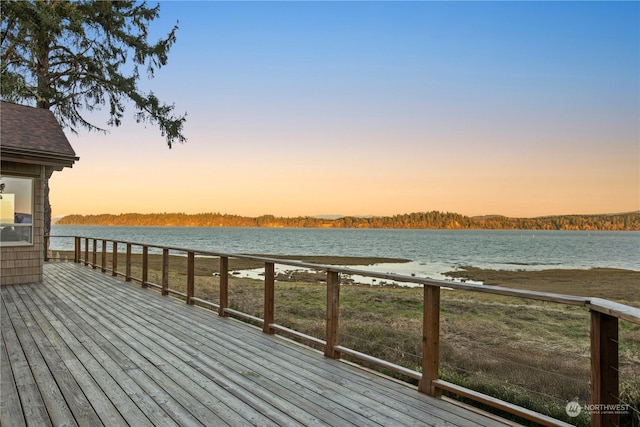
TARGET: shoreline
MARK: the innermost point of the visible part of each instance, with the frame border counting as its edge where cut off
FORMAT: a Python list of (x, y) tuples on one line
[(619, 285)]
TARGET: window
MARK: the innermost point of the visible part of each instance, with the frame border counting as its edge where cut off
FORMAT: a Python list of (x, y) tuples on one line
[(16, 211)]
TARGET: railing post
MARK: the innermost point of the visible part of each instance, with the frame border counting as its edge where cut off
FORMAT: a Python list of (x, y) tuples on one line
[(76, 251), (604, 368), (94, 264), (269, 297), (190, 277), (103, 267), (165, 271), (430, 340), (114, 259), (145, 265), (127, 274), (224, 286), (86, 251), (333, 314)]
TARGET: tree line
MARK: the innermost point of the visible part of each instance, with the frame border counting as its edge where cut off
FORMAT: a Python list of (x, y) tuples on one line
[(418, 220)]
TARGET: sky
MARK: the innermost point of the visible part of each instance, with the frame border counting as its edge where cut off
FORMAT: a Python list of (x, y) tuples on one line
[(379, 108)]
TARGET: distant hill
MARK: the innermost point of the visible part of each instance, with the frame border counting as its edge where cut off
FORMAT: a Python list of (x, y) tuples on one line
[(629, 221)]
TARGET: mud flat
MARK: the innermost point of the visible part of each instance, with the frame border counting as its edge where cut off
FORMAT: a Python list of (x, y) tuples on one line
[(609, 283)]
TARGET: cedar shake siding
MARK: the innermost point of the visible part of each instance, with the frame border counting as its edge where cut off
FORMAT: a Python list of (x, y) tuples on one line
[(32, 145), (23, 264)]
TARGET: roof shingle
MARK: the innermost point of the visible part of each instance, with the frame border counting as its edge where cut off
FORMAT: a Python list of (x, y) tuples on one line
[(28, 130)]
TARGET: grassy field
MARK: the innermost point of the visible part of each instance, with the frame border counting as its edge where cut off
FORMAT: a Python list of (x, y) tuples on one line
[(530, 353)]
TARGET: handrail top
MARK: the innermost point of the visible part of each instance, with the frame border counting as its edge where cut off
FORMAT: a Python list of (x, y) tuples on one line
[(615, 309), (622, 311)]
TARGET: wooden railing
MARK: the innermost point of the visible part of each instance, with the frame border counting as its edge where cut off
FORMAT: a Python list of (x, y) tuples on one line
[(604, 316)]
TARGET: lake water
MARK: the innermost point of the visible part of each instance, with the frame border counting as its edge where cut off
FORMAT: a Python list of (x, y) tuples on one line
[(431, 252)]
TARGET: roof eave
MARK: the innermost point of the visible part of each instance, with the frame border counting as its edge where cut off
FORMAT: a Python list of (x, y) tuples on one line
[(56, 160)]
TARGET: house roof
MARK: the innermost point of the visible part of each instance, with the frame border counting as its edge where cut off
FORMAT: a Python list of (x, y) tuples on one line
[(33, 135)]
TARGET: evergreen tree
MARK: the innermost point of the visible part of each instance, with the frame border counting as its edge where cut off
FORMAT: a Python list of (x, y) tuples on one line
[(76, 57)]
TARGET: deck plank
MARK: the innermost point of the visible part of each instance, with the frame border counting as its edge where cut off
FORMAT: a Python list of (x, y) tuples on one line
[(153, 344), (95, 396), (123, 379), (10, 406), (74, 398), (31, 381), (124, 335), (109, 349), (106, 380)]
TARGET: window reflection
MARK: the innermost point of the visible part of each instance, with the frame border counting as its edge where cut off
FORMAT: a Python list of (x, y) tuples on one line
[(16, 211)]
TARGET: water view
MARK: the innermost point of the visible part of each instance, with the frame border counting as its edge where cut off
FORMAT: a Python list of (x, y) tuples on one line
[(430, 252)]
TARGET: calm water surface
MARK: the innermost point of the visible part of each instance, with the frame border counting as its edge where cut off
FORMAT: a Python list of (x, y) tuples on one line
[(431, 252)]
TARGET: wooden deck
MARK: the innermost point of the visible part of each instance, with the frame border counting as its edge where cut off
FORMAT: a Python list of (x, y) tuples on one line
[(84, 348)]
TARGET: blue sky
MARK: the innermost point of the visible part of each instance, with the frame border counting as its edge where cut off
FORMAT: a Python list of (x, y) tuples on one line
[(303, 108)]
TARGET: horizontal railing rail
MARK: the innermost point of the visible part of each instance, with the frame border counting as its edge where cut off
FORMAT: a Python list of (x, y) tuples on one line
[(604, 316)]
